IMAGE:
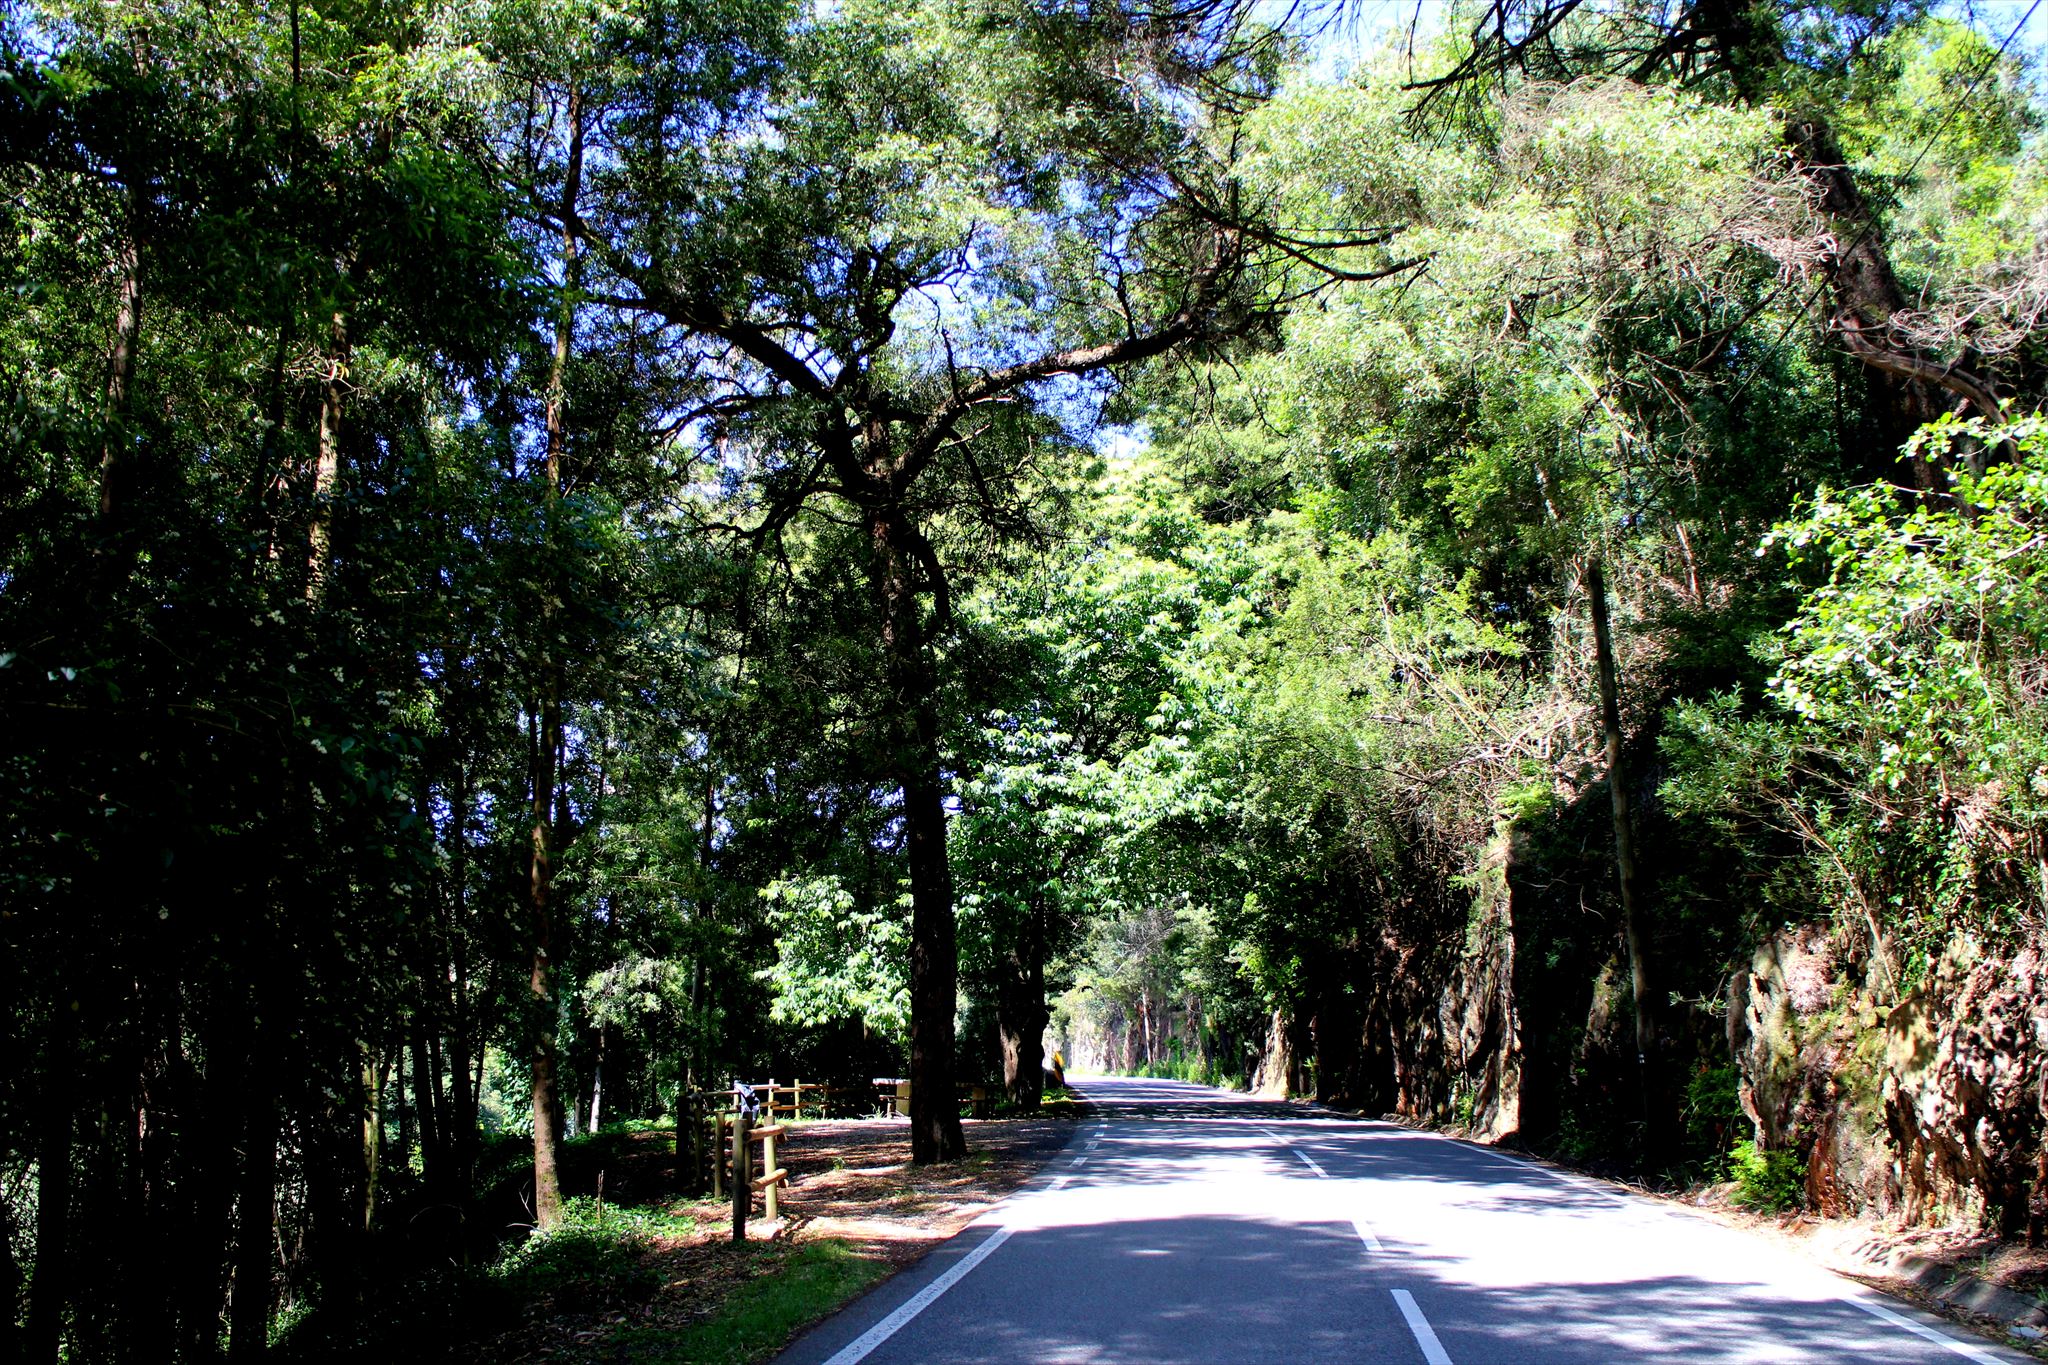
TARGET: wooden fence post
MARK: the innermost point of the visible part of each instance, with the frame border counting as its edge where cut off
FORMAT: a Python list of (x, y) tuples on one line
[(742, 1174), (718, 1154)]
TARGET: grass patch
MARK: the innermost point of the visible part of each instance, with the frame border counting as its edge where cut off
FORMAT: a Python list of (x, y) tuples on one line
[(598, 1256), (809, 1281), (1060, 1104)]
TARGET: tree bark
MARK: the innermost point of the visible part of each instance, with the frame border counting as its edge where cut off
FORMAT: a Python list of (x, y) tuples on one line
[(1021, 1017), (50, 1287), (1625, 853), (254, 1294), (121, 367), (327, 459), (1865, 296), (935, 1132), (373, 1134), (547, 1184)]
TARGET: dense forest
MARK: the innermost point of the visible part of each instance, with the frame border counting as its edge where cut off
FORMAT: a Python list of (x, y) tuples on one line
[(552, 555)]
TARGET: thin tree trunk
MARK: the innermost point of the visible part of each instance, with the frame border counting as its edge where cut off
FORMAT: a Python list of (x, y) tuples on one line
[(327, 459), (254, 1294), (121, 368), (547, 1185), (1624, 850), (597, 1082), (464, 1096), (426, 1104), (373, 1134), (50, 1287)]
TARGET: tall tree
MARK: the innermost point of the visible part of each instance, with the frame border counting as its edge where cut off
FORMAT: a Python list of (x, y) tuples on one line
[(930, 216)]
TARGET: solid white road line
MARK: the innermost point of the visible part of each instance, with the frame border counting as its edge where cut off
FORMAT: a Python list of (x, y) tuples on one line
[(1921, 1329), (1918, 1329), (1425, 1337), (859, 1348)]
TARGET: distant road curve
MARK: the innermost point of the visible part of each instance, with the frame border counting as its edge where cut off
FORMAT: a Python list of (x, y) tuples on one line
[(1190, 1224)]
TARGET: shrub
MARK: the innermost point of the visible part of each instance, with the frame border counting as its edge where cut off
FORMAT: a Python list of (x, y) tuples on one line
[(1769, 1182), (596, 1256)]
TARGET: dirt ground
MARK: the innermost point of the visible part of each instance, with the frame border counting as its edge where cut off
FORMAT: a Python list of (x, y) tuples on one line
[(849, 1180)]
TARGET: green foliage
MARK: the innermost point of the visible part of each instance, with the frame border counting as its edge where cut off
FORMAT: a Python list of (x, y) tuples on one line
[(802, 1284), (836, 961), (1906, 745), (598, 1256), (1768, 1182)]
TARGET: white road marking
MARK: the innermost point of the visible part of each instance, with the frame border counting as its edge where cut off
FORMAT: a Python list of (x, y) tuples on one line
[(1079, 1162), (1275, 1136), (1365, 1235), (861, 1346), (1432, 1350), (1309, 1162), (1921, 1329)]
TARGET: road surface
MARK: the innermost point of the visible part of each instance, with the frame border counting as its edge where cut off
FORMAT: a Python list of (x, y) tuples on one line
[(1188, 1224)]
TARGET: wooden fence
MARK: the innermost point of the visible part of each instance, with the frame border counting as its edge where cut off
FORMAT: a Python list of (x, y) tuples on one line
[(714, 1139)]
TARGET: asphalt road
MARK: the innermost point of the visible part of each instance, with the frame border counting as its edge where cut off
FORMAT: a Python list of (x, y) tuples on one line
[(1187, 1224)]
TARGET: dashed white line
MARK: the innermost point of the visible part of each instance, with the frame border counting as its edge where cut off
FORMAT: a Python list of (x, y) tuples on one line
[(1425, 1336), (861, 1346), (1310, 1162), (1365, 1235), (1921, 1329)]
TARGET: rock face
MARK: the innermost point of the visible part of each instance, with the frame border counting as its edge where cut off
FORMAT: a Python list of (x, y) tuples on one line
[(1809, 1065), (1963, 1099), (1931, 1109), (1477, 1016)]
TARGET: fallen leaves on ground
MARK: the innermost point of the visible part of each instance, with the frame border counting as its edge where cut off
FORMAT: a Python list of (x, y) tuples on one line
[(850, 1180)]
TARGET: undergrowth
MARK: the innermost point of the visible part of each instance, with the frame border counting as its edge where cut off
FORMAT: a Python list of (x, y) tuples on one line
[(811, 1280)]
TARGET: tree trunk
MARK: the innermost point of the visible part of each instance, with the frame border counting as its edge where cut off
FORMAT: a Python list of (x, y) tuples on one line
[(50, 1288), (427, 1104), (327, 460), (1625, 854), (254, 1286), (1908, 385), (547, 1184), (373, 1135), (461, 1129), (597, 1082), (1276, 1064), (935, 1132), (1021, 1018), (121, 367)]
